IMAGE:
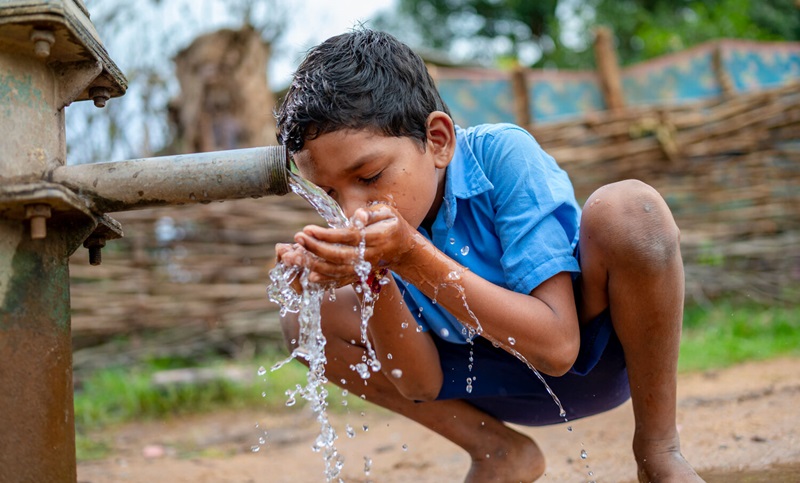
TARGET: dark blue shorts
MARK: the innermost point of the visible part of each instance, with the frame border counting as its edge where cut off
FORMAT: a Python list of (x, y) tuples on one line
[(506, 388)]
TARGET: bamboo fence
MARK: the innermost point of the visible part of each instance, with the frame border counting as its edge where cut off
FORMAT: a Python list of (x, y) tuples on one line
[(187, 281)]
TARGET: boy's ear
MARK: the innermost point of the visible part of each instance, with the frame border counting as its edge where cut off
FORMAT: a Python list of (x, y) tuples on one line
[(441, 138)]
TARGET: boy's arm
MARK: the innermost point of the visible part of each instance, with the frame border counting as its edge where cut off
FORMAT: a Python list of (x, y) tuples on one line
[(542, 324)]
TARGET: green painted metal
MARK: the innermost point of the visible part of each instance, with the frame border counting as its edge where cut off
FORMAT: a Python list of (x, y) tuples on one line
[(50, 56)]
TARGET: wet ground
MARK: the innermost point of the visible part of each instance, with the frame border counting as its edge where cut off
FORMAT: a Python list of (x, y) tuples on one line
[(737, 425)]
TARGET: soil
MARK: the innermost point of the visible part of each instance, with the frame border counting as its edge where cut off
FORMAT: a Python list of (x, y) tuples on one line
[(736, 424)]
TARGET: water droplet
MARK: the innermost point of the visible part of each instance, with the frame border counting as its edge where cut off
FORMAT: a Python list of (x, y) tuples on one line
[(389, 356), (263, 393), (404, 325), (262, 440), (584, 455), (262, 370), (255, 448), (453, 276), (361, 369), (345, 392), (367, 465), (512, 340), (397, 373), (365, 428), (405, 447), (444, 332), (419, 328), (349, 431), (569, 428), (465, 250), (452, 241)]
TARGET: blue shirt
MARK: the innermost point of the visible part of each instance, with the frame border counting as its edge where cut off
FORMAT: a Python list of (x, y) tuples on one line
[(509, 215)]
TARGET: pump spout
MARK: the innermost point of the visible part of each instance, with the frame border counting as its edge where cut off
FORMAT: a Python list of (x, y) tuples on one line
[(176, 180)]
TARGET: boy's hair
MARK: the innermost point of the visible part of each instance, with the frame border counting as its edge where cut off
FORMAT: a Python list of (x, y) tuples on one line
[(362, 79)]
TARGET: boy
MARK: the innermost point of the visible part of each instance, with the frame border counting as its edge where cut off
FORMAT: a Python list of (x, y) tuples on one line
[(479, 228)]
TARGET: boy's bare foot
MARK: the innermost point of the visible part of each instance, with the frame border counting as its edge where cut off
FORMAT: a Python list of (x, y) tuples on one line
[(664, 463), (516, 459)]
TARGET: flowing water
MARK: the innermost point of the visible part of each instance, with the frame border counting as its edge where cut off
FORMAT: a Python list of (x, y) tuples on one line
[(311, 342)]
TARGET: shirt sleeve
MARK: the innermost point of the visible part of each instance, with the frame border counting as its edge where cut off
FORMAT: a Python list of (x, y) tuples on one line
[(536, 214)]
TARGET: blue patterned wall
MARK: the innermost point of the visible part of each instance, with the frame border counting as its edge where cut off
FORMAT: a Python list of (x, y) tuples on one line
[(475, 97)]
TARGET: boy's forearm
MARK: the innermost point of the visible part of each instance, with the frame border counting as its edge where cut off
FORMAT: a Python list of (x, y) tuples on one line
[(543, 330)]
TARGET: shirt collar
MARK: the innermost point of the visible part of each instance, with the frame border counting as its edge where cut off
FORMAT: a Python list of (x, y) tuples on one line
[(464, 178)]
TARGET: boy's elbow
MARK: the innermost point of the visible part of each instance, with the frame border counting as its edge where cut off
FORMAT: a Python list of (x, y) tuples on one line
[(421, 391), (563, 359)]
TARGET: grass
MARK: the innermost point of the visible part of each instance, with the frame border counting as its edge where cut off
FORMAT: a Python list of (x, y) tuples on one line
[(122, 394), (727, 333), (714, 336)]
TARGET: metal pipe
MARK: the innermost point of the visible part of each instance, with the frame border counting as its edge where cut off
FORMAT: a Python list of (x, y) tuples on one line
[(177, 180)]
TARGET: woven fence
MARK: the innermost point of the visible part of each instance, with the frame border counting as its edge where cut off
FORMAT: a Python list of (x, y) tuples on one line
[(190, 280)]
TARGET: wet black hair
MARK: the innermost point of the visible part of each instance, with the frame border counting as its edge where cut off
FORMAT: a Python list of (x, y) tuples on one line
[(363, 79)]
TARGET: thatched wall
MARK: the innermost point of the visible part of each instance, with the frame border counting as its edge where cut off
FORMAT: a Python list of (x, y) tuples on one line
[(729, 170)]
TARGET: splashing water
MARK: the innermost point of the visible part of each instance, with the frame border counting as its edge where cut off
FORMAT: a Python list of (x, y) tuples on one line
[(329, 210), (311, 343), (561, 412)]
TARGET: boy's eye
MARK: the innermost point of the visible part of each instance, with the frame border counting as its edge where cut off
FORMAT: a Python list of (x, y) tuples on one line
[(370, 180)]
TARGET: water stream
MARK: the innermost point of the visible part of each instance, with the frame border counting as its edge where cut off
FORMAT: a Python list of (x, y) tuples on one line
[(311, 341)]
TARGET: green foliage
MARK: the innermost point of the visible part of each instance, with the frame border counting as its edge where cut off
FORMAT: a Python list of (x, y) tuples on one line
[(649, 28), (90, 448), (727, 333), (121, 394), (563, 30)]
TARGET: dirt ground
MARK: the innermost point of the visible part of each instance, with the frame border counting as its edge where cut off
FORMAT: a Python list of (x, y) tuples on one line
[(737, 424)]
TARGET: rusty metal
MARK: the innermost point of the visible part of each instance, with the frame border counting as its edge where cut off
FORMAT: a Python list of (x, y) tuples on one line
[(38, 214), (50, 56), (177, 180), (76, 39), (100, 95), (42, 41), (95, 244)]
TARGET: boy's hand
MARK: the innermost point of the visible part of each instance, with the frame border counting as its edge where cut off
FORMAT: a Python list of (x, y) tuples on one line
[(389, 238)]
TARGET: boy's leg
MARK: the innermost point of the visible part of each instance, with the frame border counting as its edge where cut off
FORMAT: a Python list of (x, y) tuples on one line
[(498, 453), (631, 263)]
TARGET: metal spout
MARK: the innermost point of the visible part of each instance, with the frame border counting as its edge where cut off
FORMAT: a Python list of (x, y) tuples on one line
[(177, 180)]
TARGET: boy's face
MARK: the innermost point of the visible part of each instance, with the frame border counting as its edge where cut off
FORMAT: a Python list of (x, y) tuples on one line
[(357, 167)]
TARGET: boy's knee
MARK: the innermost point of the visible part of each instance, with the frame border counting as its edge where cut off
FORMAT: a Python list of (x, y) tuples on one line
[(631, 222)]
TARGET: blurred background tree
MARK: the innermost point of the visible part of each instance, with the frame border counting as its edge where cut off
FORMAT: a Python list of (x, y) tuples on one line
[(559, 33), (144, 38)]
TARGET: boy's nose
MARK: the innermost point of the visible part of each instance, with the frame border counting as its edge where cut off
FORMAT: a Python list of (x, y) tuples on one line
[(350, 205)]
